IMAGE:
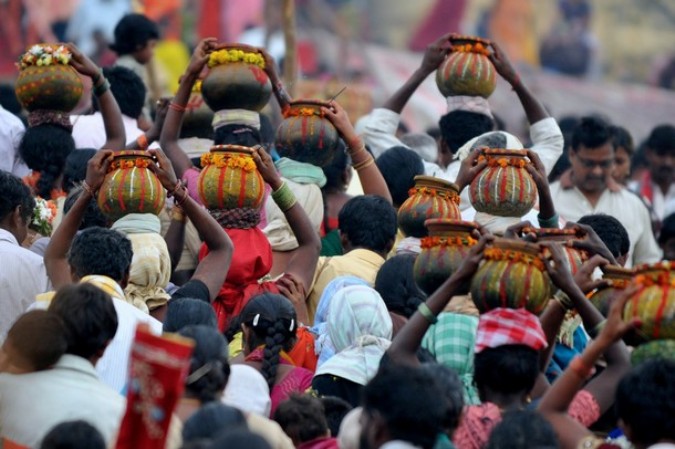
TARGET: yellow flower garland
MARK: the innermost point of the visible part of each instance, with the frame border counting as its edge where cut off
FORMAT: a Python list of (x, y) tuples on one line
[(226, 56), (220, 160)]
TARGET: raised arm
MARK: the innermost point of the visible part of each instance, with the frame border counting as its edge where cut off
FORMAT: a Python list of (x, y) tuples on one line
[(213, 268), (283, 98), (152, 135), (372, 181), (171, 130), (112, 117), (56, 254), (547, 215)]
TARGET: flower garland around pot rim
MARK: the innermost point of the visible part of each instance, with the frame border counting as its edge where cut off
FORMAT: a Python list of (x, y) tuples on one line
[(498, 254), (44, 55), (302, 112), (122, 164), (226, 56), (435, 241), (661, 279), (477, 48), (43, 216), (451, 195), (503, 162), (246, 163), (544, 232)]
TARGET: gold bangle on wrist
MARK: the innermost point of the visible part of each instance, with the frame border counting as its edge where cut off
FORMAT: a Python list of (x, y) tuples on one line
[(364, 164)]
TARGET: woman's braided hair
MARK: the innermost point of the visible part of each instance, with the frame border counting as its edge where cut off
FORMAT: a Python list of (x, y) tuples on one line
[(273, 323)]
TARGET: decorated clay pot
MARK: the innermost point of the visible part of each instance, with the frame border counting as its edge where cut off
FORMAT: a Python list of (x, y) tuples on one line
[(504, 188), (654, 302), (305, 135), (617, 278), (443, 251), (229, 179), (236, 79), (512, 275), (657, 349), (130, 186), (47, 81), (467, 70), (430, 198), (575, 257)]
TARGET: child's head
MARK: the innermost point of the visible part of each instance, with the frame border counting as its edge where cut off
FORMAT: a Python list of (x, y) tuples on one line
[(667, 237), (136, 35), (35, 342)]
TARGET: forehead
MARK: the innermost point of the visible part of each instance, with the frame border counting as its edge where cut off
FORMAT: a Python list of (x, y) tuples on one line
[(603, 152)]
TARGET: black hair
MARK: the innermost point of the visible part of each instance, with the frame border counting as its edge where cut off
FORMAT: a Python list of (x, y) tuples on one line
[(524, 429), (39, 338), (101, 251), (128, 90), (414, 414), (89, 317), (395, 282), (591, 132), (458, 127), (508, 369), (662, 139), (621, 138), (273, 323), (209, 368), (210, 421), (335, 170), (335, 410), (452, 392), (567, 125), (44, 149), (14, 194), (183, 312), (193, 289), (399, 166), (93, 217), (237, 135), (645, 401), (667, 229), (132, 33), (240, 439), (610, 230), (75, 169), (302, 418), (369, 222), (73, 435), (267, 132)]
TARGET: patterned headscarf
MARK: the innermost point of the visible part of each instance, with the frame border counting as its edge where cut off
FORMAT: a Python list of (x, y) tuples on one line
[(500, 327)]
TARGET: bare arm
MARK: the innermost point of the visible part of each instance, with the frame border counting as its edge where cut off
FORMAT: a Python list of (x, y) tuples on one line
[(153, 133), (280, 93)]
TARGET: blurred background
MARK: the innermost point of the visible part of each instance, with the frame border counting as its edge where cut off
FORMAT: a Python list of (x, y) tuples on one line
[(615, 58)]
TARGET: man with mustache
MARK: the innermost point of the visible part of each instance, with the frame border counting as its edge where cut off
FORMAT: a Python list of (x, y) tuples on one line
[(588, 188)]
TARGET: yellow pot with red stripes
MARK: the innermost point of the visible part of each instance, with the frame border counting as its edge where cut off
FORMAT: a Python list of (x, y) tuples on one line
[(654, 303), (230, 179), (467, 70), (430, 198), (130, 186)]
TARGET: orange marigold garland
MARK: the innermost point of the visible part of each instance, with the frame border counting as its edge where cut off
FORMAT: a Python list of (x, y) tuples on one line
[(503, 161), (222, 160), (661, 280), (513, 256), (128, 163), (434, 242), (435, 192), (478, 48), (302, 112)]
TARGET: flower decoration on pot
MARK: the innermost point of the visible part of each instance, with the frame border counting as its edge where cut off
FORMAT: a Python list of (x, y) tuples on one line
[(654, 303), (575, 257), (43, 217), (467, 70), (617, 278), (430, 198)]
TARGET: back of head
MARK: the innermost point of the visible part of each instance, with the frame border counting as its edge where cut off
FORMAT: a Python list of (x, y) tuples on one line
[(508, 369), (73, 435), (132, 33), (399, 166), (452, 391), (14, 194), (610, 230), (422, 144), (75, 169), (211, 420), (413, 414), (302, 418), (458, 127), (368, 222), (44, 149), (523, 430), (93, 217), (662, 139), (395, 282), (184, 312), (89, 317), (236, 135), (335, 409), (39, 339), (645, 402), (128, 90), (209, 368), (621, 138), (101, 251), (335, 171), (591, 132), (240, 439), (667, 229)]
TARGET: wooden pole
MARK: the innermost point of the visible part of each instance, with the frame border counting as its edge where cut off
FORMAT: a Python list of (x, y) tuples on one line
[(291, 58)]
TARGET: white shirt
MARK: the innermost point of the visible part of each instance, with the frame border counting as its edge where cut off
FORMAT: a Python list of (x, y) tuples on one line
[(662, 205), (89, 130), (11, 133), (22, 276), (32, 404), (92, 16), (618, 202)]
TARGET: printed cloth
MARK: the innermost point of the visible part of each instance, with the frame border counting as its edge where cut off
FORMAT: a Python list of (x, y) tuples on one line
[(502, 326), (479, 105)]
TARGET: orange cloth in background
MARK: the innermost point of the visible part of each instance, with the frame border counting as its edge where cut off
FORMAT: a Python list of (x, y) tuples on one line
[(512, 26), (303, 354)]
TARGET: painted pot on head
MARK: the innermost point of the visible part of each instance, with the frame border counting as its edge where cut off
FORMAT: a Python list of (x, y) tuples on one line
[(236, 79), (654, 303), (512, 275), (617, 279), (443, 251), (504, 187), (657, 349), (306, 135), (430, 198), (575, 257), (467, 70), (130, 186), (230, 179)]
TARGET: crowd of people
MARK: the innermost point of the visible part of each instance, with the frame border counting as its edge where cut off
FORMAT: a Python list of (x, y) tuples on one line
[(308, 327)]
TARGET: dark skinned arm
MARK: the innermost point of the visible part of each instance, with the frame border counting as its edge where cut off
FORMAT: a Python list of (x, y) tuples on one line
[(280, 93), (538, 172), (175, 240), (152, 135)]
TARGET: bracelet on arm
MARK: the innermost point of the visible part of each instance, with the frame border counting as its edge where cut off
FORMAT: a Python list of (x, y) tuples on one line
[(426, 312), (87, 188), (284, 197), (364, 164), (580, 368), (101, 88), (552, 222), (564, 300), (96, 78), (177, 107)]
